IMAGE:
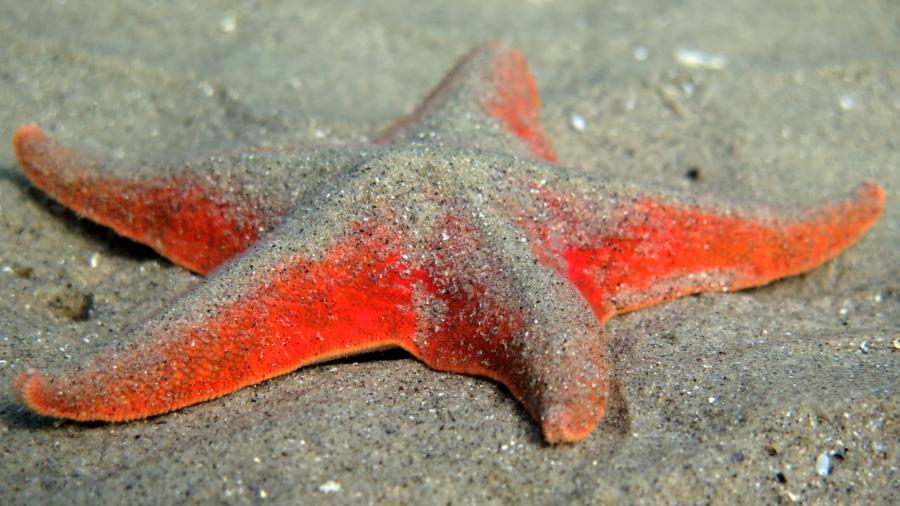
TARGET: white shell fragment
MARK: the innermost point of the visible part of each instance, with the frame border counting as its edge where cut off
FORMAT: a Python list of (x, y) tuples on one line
[(577, 122), (696, 58), (823, 465), (330, 487)]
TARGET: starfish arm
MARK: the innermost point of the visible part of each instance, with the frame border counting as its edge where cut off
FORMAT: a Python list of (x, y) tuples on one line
[(279, 307), (488, 98), (196, 215), (492, 310), (636, 251)]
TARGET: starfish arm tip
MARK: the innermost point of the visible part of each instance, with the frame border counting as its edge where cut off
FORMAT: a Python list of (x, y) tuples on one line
[(24, 137), (874, 192), (568, 426), (27, 388), (853, 215)]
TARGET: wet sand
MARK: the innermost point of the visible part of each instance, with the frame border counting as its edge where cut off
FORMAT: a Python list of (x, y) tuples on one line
[(717, 398)]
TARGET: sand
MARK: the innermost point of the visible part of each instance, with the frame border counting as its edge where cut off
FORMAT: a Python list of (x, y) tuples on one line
[(718, 398)]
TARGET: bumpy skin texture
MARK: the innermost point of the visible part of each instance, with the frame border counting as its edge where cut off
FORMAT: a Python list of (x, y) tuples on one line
[(453, 237)]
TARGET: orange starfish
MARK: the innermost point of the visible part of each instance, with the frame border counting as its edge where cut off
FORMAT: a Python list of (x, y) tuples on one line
[(454, 238)]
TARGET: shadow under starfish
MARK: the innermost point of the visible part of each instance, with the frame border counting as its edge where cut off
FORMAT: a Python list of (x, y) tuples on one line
[(454, 237)]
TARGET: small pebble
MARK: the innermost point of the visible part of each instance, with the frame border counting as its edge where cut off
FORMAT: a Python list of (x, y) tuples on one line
[(229, 23), (577, 122), (847, 102), (640, 53), (823, 465), (207, 89), (330, 487)]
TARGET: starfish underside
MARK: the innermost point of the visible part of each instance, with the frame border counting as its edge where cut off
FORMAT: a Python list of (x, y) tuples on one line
[(454, 236)]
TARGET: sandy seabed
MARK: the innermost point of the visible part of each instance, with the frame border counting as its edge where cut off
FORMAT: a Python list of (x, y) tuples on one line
[(720, 398)]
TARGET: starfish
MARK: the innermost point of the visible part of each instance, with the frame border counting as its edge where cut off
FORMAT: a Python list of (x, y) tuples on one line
[(454, 236)]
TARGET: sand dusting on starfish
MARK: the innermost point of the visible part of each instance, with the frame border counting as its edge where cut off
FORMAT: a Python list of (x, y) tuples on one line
[(454, 236)]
